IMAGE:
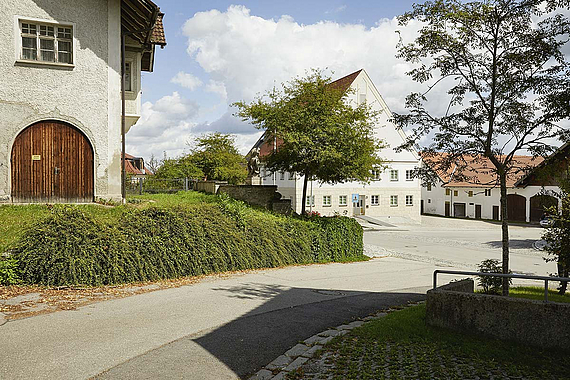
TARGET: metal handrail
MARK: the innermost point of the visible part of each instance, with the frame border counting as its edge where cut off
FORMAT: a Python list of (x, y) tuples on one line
[(510, 275)]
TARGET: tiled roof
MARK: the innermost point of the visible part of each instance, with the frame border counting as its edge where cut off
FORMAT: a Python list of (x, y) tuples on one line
[(345, 82), (478, 171), (157, 37)]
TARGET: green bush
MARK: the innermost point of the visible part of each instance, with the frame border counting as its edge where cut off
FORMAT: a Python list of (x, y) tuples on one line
[(491, 284), (69, 247), (9, 271)]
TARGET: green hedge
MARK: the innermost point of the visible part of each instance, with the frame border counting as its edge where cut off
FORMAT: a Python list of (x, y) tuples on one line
[(70, 247)]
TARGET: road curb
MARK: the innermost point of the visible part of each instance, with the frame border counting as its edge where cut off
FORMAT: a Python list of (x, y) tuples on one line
[(299, 354)]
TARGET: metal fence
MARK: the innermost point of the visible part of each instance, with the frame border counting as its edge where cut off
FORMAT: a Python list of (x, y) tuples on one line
[(546, 279), (159, 185)]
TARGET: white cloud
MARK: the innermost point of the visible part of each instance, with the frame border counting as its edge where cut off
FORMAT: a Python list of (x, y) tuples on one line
[(165, 125), (249, 54), (186, 80), (217, 87)]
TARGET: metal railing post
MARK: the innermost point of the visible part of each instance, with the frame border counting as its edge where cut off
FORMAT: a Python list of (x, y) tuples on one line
[(140, 186), (545, 290), (435, 272)]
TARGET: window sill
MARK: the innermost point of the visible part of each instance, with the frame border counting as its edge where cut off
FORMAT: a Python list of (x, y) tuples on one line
[(42, 63), (409, 205), (342, 205), (327, 205), (375, 205), (393, 205)]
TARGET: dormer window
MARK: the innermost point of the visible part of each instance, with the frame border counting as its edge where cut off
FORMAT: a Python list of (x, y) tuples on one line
[(49, 43)]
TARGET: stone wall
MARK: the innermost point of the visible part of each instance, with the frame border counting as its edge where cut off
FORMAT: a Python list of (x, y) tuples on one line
[(264, 196), (209, 186), (455, 306)]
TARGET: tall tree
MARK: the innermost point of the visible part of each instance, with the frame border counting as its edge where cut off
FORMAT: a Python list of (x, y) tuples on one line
[(218, 158), (320, 135), (506, 77)]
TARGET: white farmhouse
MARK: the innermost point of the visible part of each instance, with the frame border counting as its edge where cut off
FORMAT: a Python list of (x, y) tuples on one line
[(60, 94), (476, 193), (392, 195)]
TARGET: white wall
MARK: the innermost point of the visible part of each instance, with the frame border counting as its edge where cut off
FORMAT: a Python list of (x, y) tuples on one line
[(86, 95)]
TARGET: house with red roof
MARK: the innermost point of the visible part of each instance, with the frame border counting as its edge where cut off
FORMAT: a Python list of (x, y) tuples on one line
[(470, 187), (393, 194)]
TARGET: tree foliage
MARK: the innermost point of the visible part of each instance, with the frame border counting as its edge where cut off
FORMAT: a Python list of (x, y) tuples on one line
[(318, 132), (214, 157), (502, 66)]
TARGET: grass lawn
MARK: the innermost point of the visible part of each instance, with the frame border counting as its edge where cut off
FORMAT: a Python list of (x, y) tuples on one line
[(537, 293), (16, 219), (401, 346)]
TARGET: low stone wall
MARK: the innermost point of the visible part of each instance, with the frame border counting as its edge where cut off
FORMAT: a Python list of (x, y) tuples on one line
[(208, 186), (455, 306), (264, 196)]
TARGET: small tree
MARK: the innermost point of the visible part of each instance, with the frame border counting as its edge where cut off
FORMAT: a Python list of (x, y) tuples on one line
[(507, 81), (320, 135), (217, 157)]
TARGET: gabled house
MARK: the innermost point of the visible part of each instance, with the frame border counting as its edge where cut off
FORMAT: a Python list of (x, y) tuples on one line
[(474, 191), (393, 194), (135, 168), (60, 94)]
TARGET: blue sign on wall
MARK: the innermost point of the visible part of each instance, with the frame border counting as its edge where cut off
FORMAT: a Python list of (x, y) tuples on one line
[(355, 198)]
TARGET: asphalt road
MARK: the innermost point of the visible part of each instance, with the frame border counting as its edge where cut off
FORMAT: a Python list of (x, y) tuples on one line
[(227, 327)]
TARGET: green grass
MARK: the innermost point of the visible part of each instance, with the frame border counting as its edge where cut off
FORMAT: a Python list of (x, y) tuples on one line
[(179, 199), (537, 293), (400, 345)]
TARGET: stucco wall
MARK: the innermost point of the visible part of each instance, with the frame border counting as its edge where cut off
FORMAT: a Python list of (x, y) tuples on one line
[(86, 95), (264, 196), (531, 322)]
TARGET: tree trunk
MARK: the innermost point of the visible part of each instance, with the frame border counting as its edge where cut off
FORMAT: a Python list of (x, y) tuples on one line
[(505, 230), (562, 272), (304, 200)]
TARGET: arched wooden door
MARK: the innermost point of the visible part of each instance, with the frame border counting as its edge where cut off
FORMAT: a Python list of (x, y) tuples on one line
[(516, 207), (539, 204), (52, 162)]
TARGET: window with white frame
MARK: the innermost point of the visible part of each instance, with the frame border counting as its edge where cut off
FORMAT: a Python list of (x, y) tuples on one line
[(375, 173), (310, 200), (428, 187), (393, 175), (487, 192), (409, 200), (393, 200), (326, 200), (375, 200), (45, 42), (470, 193), (409, 175), (342, 200), (282, 175), (128, 76)]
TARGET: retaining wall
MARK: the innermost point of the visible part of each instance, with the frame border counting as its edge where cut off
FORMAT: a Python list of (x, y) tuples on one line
[(455, 306)]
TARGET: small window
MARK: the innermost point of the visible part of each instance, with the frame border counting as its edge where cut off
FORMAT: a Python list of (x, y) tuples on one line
[(342, 200), (393, 175), (393, 200), (128, 76), (487, 192), (282, 175), (428, 187), (409, 175), (46, 43), (375, 174), (375, 200), (409, 200), (429, 200), (447, 192), (470, 193), (361, 99), (326, 200), (310, 200), (455, 193)]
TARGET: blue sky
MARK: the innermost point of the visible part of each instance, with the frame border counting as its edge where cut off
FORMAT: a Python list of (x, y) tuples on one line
[(219, 52)]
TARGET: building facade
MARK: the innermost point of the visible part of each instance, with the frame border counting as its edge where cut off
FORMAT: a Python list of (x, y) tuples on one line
[(393, 194), (60, 94)]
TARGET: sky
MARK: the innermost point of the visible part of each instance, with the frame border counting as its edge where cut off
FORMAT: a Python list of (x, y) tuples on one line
[(220, 52)]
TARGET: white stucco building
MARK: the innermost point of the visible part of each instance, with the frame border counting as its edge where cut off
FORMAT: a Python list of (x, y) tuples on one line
[(60, 94), (477, 196), (392, 195)]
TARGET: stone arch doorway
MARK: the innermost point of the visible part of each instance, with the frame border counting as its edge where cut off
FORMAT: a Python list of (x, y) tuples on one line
[(52, 161), (516, 207), (539, 204)]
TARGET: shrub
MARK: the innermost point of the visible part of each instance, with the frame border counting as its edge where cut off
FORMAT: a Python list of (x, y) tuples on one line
[(491, 284), (70, 248), (9, 271)]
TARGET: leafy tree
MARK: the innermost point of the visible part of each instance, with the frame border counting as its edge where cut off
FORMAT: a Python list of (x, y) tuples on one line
[(176, 168), (320, 135), (506, 77), (557, 235), (217, 157)]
